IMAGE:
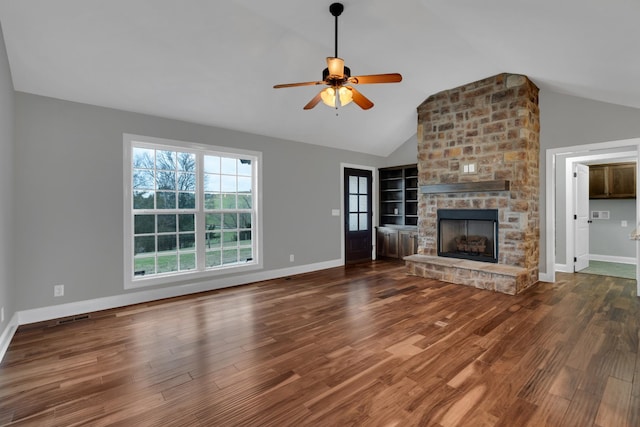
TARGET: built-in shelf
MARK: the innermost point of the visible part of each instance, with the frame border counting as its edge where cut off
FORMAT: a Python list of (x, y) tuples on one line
[(399, 196), (466, 187)]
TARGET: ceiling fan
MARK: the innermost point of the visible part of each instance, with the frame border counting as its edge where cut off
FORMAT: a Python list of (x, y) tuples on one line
[(338, 78)]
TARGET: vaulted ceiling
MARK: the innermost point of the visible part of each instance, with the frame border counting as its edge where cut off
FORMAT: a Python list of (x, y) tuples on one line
[(215, 62)]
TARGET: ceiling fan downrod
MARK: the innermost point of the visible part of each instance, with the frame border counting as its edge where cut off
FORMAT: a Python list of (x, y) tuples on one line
[(336, 10)]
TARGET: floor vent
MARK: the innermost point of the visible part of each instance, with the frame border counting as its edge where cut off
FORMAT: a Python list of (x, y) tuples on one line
[(73, 319)]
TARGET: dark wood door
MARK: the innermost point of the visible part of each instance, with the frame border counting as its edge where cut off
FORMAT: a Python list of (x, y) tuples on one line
[(357, 215)]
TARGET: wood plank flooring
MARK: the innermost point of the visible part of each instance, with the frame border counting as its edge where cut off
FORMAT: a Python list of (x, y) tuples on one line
[(363, 345)]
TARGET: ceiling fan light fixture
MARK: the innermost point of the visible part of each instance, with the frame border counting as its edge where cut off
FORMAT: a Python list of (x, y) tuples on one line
[(336, 67), (328, 95)]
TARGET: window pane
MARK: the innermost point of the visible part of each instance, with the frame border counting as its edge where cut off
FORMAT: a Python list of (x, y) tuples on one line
[(363, 185), (230, 220), (213, 221), (187, 241), (228, 201), (143, 179), (186, 200), (230, 256), (166, 200), (213, 239), (228, 165), (187, 162), (353, 185), (143, 199), (244, 201), (165, 160), (244, 220), (144, 224), (212, 164), (143, 265), (167, 263), (143, 157), (244, 184), (244, 167), (166, 223), (186, 222), (363, 203), (353, 222), (213, 258), (167, 242), (229, 184), (353, 203), (245, 238), (212, 201), (245, 254), (165, 180), (144, 244), (230, 239), (364, 221), (212, 183), (187, 261), (187, 182)]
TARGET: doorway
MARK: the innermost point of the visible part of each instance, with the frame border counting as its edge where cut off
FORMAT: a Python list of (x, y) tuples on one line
[(560, 198), (358, 215)]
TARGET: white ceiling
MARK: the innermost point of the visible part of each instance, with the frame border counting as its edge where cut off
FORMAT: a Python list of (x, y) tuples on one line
[(215, 62)]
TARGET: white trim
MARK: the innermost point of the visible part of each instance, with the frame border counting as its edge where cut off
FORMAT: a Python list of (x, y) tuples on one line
[(564, 268), (7, 335), (578, 152), (87, 306), (374, 206), (544, 277), (612, 258)]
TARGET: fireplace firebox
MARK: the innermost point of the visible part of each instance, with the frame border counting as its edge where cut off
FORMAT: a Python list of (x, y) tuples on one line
[(468, 234)]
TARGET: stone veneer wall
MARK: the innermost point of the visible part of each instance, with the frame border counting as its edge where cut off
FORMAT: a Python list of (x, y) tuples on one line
[(493, 123)]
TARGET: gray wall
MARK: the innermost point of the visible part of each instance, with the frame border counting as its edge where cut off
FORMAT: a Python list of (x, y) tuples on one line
[(569, 121), (406, 154), (69, 174), (7, 142), (608, 237)]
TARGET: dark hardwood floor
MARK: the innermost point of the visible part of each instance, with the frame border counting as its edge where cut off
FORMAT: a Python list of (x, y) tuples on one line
[(362, 345)]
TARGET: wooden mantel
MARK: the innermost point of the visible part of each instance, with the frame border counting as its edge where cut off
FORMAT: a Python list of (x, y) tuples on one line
[(466, 187)]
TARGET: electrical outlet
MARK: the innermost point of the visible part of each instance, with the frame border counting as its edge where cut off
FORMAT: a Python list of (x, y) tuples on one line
[(58, 290), (291, 258), (623, 223)]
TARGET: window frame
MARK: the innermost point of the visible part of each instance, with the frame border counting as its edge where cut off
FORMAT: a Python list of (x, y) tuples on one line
[(201, 272)]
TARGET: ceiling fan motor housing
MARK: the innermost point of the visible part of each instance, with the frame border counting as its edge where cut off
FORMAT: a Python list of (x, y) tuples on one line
[(347, 74)]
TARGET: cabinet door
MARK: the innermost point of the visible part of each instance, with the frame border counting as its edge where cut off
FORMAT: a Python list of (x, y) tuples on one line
[(408, 243), (622, 181), (391, 243), (597, 182)]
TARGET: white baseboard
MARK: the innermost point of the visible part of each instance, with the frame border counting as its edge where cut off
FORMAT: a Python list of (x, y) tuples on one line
[(564, 268), (7, 335), (609, 258), (79, 307), (545, 277)]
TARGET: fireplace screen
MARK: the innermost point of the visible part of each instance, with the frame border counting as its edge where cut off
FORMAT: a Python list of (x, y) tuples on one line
[(468, 234)]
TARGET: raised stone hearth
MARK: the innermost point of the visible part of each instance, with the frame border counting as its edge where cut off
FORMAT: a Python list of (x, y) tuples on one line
[(469, 139)]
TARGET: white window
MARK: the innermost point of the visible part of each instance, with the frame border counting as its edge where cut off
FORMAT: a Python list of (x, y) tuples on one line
[(190, 210)]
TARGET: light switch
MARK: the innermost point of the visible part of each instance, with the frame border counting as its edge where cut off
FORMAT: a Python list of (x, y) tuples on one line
[(335, 212), (623, 223)]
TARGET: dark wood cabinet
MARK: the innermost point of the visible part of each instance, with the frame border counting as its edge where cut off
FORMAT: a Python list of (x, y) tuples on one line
[(408, 242), (397, 235), (612, 181), (387, 242)]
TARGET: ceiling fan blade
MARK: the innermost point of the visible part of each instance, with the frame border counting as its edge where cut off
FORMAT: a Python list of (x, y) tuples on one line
[(298, 84), (362, 101), (314, 101), (376, 78)]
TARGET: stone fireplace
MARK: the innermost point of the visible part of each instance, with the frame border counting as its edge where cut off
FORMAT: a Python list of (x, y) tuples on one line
[(468, 234), (478, 149)]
